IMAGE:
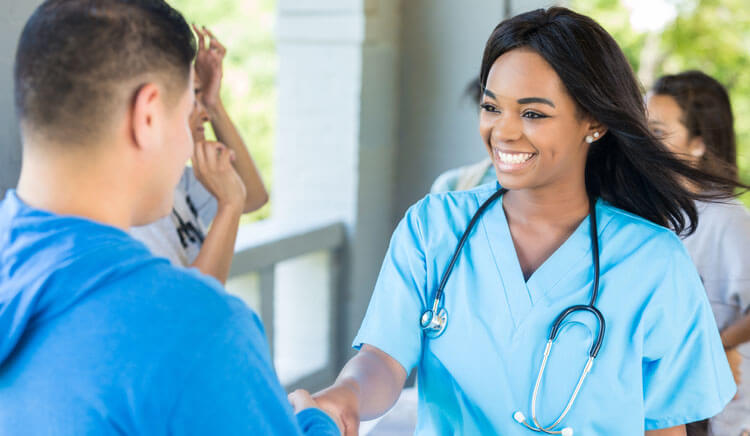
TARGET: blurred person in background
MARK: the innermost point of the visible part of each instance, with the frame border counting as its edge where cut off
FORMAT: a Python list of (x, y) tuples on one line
[(222, 184), (692, 114)]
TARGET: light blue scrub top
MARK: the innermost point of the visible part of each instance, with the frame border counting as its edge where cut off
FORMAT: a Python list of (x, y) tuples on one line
[(661, 364)]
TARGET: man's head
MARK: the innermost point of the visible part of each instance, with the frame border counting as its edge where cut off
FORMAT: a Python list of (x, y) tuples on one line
[(93, 74)]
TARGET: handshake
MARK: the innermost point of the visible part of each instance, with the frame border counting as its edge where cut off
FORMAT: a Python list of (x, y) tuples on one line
[(340, 402)]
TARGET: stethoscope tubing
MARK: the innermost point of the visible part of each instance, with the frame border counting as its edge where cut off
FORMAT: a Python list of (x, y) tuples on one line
[(434, 320)]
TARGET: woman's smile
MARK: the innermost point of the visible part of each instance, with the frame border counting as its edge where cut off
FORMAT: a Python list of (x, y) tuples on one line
[(507, 160)]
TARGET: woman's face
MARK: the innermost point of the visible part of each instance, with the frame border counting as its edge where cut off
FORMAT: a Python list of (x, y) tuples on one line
[(531, 126), (199, 116), (665, 121)]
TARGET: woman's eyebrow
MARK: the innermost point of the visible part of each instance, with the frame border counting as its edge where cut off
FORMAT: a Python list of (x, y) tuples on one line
[(525, 100), (541, 100)]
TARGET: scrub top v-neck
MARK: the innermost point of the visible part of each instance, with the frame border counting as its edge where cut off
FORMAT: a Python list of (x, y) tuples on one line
[(661, 363)]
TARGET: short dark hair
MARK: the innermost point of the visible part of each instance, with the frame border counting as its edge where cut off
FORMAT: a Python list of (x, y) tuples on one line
[(73, 57), (628, 167), (707, 112)]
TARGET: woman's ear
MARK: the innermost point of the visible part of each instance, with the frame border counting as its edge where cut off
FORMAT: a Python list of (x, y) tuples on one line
[(144, 116), (596, 130), (696, 147)]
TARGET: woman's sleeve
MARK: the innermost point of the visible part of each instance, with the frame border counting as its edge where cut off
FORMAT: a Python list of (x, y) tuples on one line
[(686, 376), (392, 319)]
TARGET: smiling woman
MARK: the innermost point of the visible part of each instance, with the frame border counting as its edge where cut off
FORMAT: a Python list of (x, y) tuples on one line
[(580, 237)]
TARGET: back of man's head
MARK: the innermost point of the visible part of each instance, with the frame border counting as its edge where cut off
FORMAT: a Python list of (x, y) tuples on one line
[(79, 64)]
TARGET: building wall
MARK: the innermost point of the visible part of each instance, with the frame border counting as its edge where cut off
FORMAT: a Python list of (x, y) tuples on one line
[(14, 16), (441, 51)]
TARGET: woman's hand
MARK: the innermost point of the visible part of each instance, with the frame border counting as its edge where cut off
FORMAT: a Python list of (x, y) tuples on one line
[(208, 66), (301, 400), (212, 165), (735, 360), (342, 401)]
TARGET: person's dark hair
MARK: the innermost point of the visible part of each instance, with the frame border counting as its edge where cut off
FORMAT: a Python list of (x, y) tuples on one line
[(707, 113), (473, 91), (74, 56), (628, 167)]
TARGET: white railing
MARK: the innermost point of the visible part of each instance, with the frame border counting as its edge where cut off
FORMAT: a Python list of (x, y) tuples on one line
[(292, 275)]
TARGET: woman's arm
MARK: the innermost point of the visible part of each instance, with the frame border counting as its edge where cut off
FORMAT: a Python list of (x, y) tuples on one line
[(212, 166), (366, 388), (736, 334), (227, 133), (215, 255), (672, 431), (208, 67)]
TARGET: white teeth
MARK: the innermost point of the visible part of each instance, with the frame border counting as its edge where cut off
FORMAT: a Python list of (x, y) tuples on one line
[(514, 158)]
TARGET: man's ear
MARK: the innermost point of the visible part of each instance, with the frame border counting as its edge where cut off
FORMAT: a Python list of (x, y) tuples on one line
[(696, 147), (144, 123)]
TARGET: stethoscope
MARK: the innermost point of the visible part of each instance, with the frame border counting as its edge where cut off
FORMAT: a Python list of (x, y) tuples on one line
[(435, 320)]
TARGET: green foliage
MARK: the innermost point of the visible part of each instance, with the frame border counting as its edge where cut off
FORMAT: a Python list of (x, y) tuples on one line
[(246, 28), (708, 35)]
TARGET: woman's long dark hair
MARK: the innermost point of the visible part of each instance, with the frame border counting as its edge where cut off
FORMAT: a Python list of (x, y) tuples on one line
[(706, 113), (628, 167)]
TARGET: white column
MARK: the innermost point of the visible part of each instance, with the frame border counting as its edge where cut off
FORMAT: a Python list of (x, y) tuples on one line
[(14, 16), (337, 129)]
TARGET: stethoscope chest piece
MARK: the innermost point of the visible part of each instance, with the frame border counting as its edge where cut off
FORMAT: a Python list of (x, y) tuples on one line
[(433, 324)]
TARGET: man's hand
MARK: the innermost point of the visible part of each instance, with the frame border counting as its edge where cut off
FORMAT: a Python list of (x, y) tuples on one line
[(208, 66), (212, 165)]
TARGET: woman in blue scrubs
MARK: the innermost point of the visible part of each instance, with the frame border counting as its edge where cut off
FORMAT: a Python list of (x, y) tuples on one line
[(563, 119)]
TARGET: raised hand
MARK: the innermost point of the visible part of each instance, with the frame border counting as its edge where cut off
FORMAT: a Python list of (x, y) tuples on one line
[(208, 65), (212, 165)]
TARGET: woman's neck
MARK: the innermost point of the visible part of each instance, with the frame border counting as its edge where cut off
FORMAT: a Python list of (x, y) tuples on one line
[(556, 205)]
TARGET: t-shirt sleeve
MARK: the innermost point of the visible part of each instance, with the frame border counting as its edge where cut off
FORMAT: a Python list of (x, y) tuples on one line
[(735, 242), (232, 389), (205, 203), (392, 319), (686, 376), (446, 182)]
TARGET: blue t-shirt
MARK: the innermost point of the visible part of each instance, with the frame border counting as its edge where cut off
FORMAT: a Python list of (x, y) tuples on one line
[(101, 337)]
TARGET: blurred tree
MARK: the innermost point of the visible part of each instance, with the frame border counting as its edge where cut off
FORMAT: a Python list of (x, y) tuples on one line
[(708, 35), (246, 28)]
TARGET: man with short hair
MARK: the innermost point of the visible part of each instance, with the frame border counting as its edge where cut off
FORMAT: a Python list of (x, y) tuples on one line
[(99, 336)]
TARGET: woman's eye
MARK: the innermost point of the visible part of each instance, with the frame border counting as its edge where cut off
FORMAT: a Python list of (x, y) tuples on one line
[(488, 107), (533, 115), (658, 132)]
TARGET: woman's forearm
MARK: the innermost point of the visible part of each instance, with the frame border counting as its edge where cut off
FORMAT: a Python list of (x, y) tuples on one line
[(672, 431), (227, 134), (366, 388), (376, 378), (737, 333), (215, 256)]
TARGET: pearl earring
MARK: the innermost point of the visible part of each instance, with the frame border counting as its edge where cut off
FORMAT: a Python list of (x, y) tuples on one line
[(596, 134), (589, 139)]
